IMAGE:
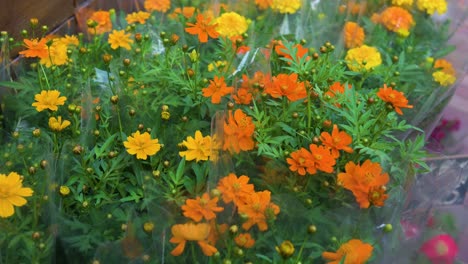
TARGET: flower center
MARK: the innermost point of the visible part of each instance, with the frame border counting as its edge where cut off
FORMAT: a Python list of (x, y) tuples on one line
[(441, 248), (5, 191), (256, 207)]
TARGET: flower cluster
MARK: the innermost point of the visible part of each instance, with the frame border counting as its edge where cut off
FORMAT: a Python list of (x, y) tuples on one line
[(255, 208), (145, 116)]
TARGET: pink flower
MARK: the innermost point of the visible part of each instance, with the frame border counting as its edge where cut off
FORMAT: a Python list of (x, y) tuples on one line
[(440, 249), (410, 229)]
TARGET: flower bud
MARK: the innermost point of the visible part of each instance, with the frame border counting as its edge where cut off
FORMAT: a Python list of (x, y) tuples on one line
[(32, 170), (286, 249), (312, 229), (388, 228), (34, 22), (114, 99), (64, 190), (233, 229), (148, 227), (77, 149), (106, 58), (127, 62), (36, 235), (36, 132)]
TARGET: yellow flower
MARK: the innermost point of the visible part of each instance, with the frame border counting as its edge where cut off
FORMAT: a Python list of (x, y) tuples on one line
[(198, 148), (443, 78), (406, 3), (137, 17), (445, 66), (216, 65), (69, 40), (118, 38), (231, 24), (57, 54), (48, 100), (286, 6), (431, 6), (363, 58), (12, 193), (445, 74), (57, 125), (142, 145)]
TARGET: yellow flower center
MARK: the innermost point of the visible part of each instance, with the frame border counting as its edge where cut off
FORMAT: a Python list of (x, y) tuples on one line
[(236, 186), (317, 156), (441, 248)]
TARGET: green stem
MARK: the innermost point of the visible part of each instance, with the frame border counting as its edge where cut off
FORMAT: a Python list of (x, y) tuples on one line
[(301, 249), (194, 257), (309, 114), (45, 75)]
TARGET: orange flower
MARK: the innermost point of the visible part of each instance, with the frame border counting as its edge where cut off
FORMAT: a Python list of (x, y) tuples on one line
[(444, 74), (191, 232), (238, 132), (253, 85), (203, 28), (137, 17), (353, 35), (396, 98), (203, 207), (244, 240), (243, 96), (186, 11), (354, 252), (234, 189), (263, 4), (397, 19), (338, 140), (300, 161), (322, 159), (258, 209), (445, 66), (287, 85), (300, 50), (35, 48), (104, 23), (336, 88), (217, 89), (240, 49), (366, 182), (157, 5)]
